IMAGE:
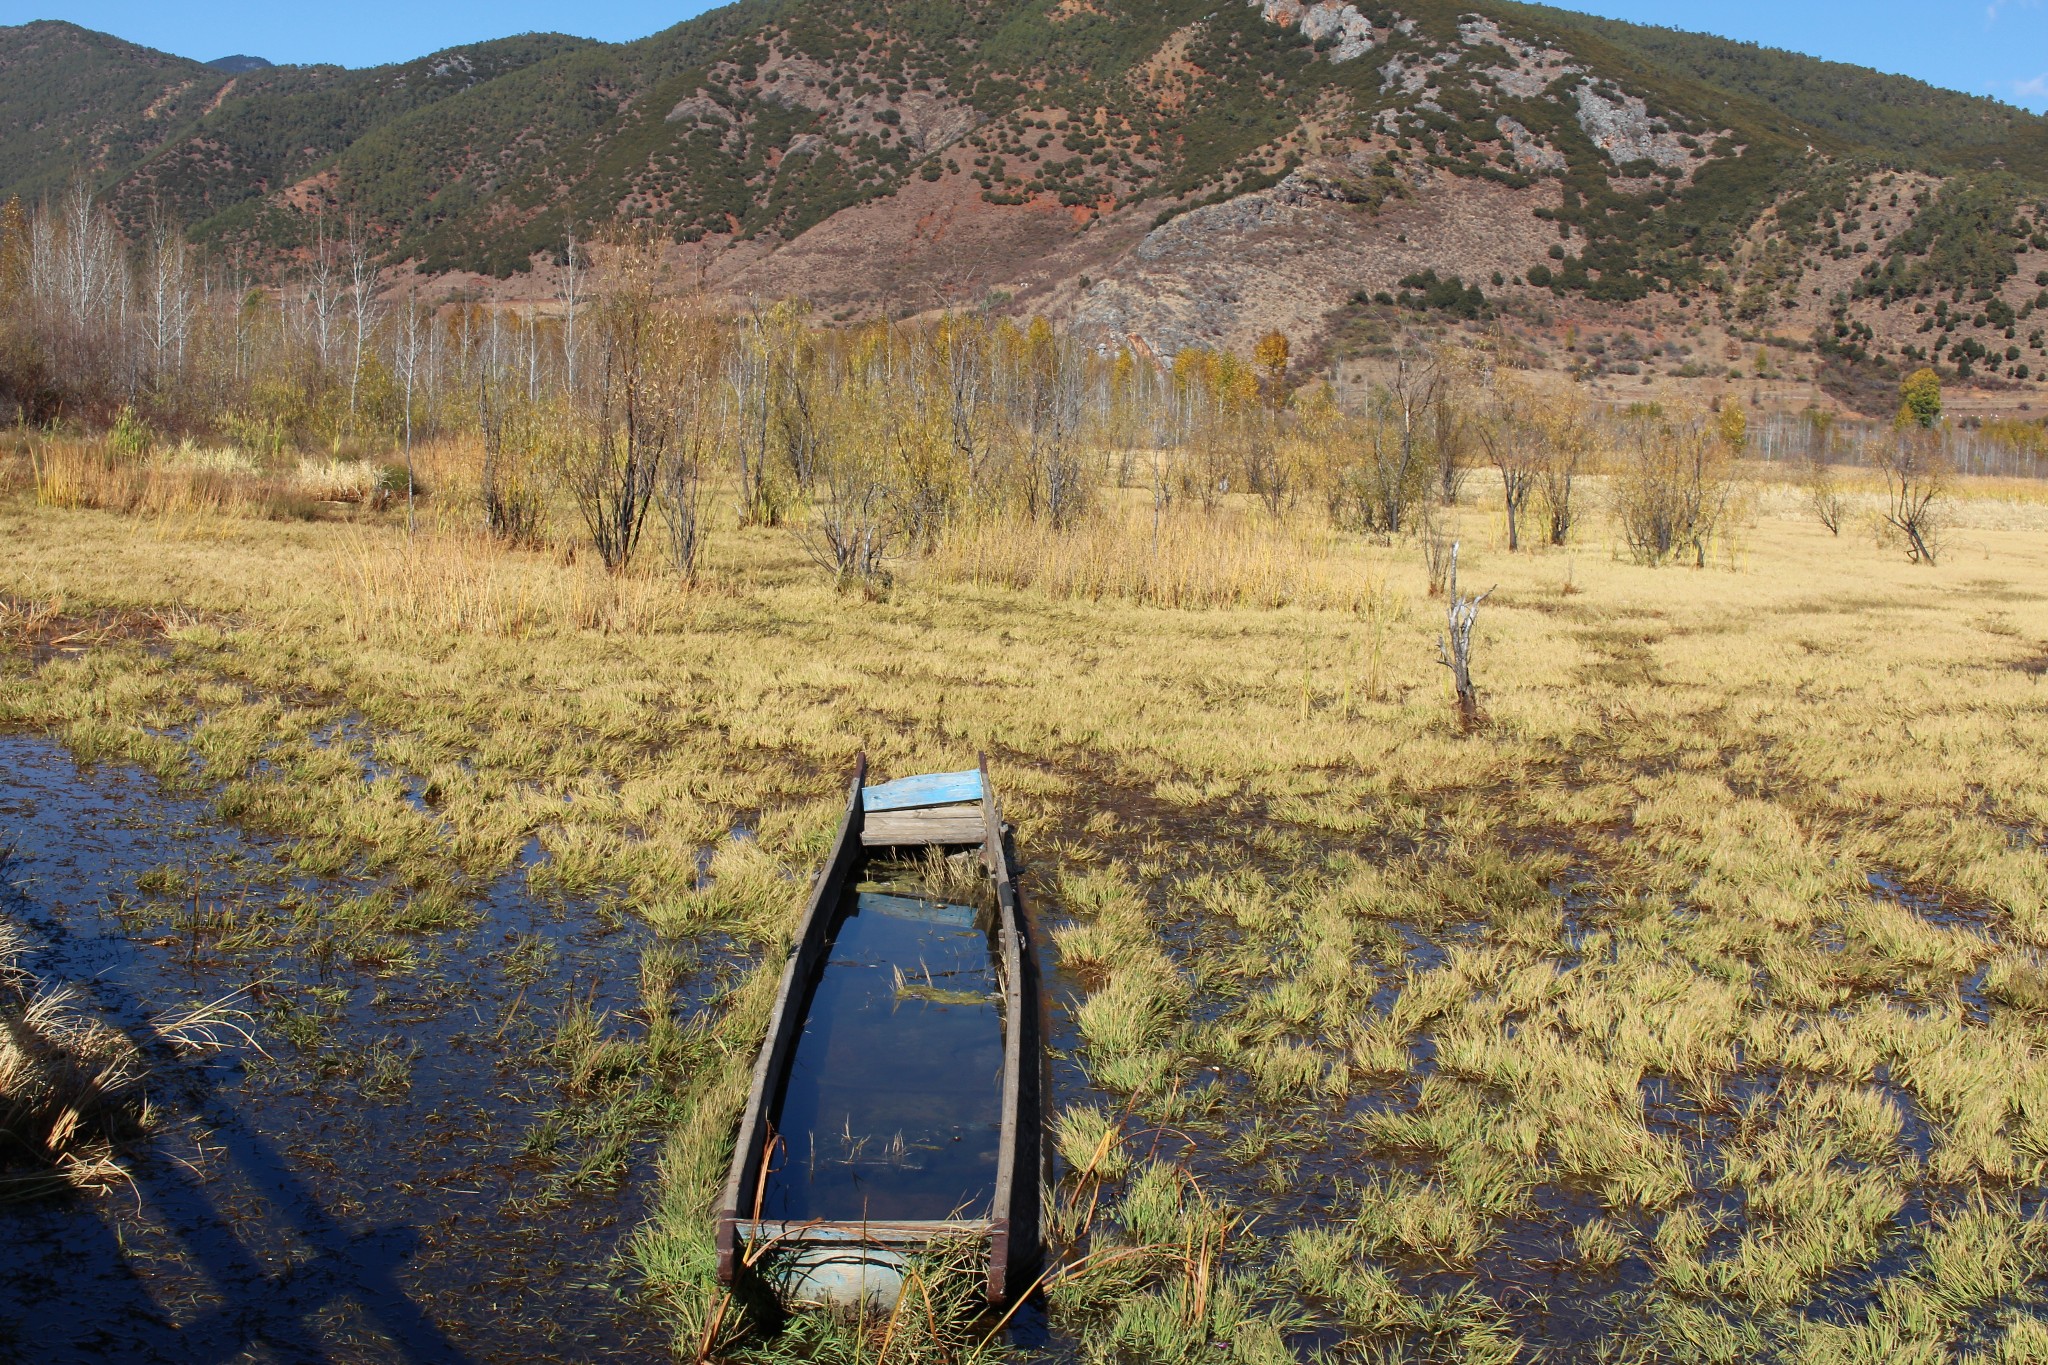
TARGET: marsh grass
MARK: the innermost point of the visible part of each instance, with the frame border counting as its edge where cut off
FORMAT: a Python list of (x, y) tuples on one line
[(186, 482), (71, 1085), (1367, 1020), (1195, 557)]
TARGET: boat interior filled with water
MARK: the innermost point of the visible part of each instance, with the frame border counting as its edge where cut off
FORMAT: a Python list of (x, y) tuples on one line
[(896, 1102)]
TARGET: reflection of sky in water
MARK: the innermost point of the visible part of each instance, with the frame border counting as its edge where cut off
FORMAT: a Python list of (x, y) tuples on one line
[(893, 1105)]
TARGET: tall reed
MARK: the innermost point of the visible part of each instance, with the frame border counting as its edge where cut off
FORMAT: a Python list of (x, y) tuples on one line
[(1192, 557)]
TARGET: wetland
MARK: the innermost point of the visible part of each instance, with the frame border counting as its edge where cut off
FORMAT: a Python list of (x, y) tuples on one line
[(1690, 1006)]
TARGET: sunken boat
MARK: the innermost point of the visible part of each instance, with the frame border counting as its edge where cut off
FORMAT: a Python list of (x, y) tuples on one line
[(896, 1103)]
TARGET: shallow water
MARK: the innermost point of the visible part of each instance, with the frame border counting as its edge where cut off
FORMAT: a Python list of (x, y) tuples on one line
[(361, 1196), (892, 1109)]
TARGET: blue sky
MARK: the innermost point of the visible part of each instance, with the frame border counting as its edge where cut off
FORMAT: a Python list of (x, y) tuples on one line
[(1987, 47)]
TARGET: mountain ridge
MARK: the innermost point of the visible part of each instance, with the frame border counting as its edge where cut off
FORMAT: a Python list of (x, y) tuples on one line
[(903, 154)]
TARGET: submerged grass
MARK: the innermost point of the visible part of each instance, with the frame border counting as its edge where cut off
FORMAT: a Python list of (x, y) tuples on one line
[(1691, 1007)]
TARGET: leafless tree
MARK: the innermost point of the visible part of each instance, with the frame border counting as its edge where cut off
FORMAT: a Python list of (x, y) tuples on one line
[(569, 293), (325, 287), (1673, 491), (681, 498), (1918, 476), (750, 367), (692, 411), (170, 299), (90, 263), (411, 341), (1439, 554), (1450, 424), (616, 463), (853, 526), (513, 436), (362, 306), (1053, 396), (1568, 444), (1454, 647), (1823, 495), (1262, 458), (1514, 443), (965, 357), (1401, 429)]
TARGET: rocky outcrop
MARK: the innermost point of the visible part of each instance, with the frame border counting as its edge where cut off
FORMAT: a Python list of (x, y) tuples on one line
[(1348, 33), (1290, 256), (1620, 125), (1528, 70), (1531, 153), (699, 108)]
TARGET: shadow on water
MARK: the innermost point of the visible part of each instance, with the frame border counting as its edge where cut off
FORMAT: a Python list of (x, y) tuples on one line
[(306, 1205)]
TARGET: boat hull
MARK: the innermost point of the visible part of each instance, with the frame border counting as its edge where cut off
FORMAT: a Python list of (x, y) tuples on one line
[(847, 1264)]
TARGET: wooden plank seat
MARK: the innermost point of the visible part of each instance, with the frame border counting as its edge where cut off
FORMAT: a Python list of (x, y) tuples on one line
[(964, 823)]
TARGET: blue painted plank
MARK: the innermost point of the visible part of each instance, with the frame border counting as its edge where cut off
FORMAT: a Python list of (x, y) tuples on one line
[(912, 908), (930, 789)]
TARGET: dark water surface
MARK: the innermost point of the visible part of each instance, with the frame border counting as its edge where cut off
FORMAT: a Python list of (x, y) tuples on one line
[(358, 1195), (893, 1108)]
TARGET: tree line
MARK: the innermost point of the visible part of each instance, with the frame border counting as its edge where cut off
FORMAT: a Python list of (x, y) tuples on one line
[(627, 404)]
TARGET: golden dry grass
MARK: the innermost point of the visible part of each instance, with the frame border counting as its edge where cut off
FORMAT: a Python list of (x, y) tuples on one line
[(1763, 841)]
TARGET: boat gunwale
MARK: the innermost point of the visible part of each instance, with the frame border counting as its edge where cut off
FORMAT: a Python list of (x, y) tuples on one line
[(780, 1037), (997, 861)]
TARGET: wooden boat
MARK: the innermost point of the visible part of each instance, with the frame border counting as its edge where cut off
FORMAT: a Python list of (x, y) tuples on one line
[(825, 1201)]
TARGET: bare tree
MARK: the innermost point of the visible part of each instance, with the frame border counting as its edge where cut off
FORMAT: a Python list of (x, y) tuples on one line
[(90, 262), (692, 412), (1407, 400), (1673, 491), (1268, 473), (680, 496), (324, 291), (750, 366), (965, 355), (1454, 648), (1823, 496), (362, 306), (1439, 554), (1918, 476), (794, 386), (570, 294), (853, 527), (1054, 402), (513, 435), (170, 301), (1567, 446), (1378, 490), (1514, 443), (616, 463), (411, 340), (1450, 422)]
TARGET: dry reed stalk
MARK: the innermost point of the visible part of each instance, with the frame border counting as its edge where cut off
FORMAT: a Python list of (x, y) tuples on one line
[(70, 1086), (1194, 558), (357, 481), (472, 585), (189, 481), (23, 621)]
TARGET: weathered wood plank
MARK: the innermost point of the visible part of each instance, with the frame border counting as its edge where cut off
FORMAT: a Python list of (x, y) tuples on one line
[(927, 789), (948, 831), (961, 824)]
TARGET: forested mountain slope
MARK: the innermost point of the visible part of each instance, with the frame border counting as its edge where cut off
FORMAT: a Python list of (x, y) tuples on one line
[(1188, 169)]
